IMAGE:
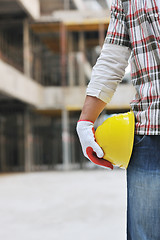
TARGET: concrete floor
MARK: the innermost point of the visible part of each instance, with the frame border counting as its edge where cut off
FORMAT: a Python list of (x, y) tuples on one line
[(75, 205)]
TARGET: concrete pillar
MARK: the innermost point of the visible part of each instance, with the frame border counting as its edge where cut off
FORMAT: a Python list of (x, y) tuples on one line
[(3, 166), (66, 4), (71, 60), (101, 34), (20, 140), (28, 143), (26, 49), (81, 59), (71, 69), (66, 151), (63, 53)]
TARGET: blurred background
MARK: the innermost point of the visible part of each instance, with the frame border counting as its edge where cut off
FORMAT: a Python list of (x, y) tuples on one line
[(47, 51)]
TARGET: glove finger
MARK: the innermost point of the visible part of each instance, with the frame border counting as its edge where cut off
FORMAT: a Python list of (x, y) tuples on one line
[(98, 150), (99, 161)]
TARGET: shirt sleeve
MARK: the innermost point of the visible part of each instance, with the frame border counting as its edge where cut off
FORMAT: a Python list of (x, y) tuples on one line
[(108, 71), (110, 66), (118, 30)]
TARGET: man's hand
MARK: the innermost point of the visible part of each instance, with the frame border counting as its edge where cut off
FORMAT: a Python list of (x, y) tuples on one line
[(91, 149)]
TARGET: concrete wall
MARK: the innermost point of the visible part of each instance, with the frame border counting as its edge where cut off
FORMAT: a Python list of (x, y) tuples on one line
[(15, 84), (122, 97), (72, 98), (66, 97), (32, 7)]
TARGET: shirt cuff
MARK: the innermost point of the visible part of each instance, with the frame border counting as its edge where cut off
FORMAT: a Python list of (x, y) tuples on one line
[(108, 71)]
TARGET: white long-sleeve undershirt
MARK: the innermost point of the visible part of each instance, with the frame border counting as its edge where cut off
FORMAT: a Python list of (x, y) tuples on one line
[(108, 71), (158, 4)]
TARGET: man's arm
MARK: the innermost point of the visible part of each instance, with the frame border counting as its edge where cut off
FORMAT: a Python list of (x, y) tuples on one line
[(92, 108), (106, 74)]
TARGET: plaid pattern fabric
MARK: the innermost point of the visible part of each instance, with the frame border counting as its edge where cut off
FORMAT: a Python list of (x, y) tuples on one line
[(136, 24)]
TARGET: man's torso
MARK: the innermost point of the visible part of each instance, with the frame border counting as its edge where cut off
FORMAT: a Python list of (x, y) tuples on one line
[(143, 24)]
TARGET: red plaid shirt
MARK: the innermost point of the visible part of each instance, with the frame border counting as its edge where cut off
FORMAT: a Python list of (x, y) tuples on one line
[(136, 24)]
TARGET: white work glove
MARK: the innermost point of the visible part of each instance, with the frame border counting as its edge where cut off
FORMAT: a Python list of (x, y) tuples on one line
[(91, 149)]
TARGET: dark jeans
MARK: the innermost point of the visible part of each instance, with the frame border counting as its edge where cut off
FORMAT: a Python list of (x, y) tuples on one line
[(143, 189)]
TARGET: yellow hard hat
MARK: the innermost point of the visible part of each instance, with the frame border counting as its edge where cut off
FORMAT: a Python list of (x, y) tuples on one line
[(116, 136)]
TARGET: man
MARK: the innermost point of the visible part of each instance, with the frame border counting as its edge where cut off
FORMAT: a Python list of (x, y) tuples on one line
[(134, 32)]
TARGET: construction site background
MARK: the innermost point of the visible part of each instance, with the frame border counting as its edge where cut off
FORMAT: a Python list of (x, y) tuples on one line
[(47, 51)]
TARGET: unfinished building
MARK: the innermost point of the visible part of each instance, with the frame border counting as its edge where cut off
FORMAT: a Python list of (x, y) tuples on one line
[(47, 51)]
